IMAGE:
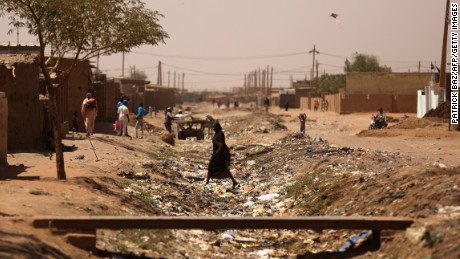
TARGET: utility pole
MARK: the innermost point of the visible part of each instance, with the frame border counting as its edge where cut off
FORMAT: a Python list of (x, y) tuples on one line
[(314, 51), (159, 76), (255, 80), (183, 89), (174, 79), (169, 78), (97, 63), (271, 80), (442, 74), (260, 80), (317, 66), (123, 65), (263, 81), (244, 86), (419, 66)]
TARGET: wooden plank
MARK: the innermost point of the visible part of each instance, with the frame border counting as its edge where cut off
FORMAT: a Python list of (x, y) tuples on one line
[(212, 223)]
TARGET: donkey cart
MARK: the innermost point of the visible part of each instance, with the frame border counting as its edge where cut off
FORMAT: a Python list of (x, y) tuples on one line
[(191, 128)]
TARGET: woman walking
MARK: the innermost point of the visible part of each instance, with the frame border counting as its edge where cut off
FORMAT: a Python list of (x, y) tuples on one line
[(219, 163)]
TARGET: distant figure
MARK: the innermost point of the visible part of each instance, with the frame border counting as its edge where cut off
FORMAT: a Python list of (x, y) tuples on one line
[(266, 103), (219, 163), (75, 126), (381, 113), (219, 103), (303, 119), (286, 106), (227, 104), (315, 105), (123, 118), (89, 113), (141, 112), (236, 104), (213, 101), (168, 119)]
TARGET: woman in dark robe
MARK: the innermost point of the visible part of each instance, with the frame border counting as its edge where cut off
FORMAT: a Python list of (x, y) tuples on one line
[(219, 163)]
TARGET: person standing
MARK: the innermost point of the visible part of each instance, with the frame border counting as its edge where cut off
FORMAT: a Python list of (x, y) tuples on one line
[(89, 113), (75, 126), (266, 103), (123, 117), (303, 119), (286, 106), (219, 163), (141, 112), (168, 119), (315, 105)]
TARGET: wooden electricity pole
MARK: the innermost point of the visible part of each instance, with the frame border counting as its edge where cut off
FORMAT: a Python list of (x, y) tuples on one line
[(271, 80), (183, 89), (442, 73), (159, 77), (174, 79), (314, 51)]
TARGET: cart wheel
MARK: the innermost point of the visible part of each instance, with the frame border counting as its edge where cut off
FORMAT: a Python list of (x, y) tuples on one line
[(200, 135), (181, 135)]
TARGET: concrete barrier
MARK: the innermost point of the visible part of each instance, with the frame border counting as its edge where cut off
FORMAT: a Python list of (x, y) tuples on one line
[(3, 129)]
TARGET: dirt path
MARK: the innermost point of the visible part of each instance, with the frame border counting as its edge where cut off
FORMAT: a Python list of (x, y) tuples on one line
[(425, 145)]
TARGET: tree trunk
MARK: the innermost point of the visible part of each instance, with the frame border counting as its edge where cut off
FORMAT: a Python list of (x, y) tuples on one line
[(54, 116)]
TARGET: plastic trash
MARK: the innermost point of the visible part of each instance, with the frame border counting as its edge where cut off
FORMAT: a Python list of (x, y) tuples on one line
[(318, 139), (354, 241), (268, 197)]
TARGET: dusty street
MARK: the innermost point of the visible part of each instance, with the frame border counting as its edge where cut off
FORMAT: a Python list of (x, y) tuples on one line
[(411, 169)]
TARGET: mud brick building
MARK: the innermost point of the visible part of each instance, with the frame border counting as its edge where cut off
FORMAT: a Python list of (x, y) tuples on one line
[(19, 79), (369, 91)]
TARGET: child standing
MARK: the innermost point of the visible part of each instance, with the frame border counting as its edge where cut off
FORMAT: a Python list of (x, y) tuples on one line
[(75, 125), (303, 119)]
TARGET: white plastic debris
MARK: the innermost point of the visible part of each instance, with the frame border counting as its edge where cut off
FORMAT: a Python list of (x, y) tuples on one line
[(268, 197), (440, 165)]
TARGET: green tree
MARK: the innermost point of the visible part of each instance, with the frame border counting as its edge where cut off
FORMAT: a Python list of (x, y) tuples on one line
[(80, 30), (329, 83), (138, 74), (364, 63)]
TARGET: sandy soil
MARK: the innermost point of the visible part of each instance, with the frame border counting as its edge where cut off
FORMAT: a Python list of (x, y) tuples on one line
[(29, 188)]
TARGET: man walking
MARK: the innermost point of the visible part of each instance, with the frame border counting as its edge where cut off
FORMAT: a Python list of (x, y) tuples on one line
[(123, 117), (141, 112)]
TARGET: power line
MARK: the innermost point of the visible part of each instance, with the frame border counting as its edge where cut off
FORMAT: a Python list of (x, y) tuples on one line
[(222, 58)]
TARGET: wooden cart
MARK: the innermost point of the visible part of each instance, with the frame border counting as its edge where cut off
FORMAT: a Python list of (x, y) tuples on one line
[(190, 128)]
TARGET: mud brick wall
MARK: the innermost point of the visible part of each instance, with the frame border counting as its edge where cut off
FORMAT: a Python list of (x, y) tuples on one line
[(405, 103), (350, 103), (25, 114), (3, 129), (160, 98), (301, 92), (71, 94), (112, 95), (386, 83), (333, 102), (289, 98)]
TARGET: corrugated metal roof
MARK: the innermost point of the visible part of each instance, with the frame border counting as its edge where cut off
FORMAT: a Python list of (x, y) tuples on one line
[(17, 58)]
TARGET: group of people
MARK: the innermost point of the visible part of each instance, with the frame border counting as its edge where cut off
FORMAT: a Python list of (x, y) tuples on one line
[(219, 163), (89, 111), (123, 118)]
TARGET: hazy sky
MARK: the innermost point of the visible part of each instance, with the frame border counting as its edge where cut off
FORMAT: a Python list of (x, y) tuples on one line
[(216, 42)]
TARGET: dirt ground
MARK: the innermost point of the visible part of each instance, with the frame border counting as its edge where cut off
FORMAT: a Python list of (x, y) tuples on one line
[(410, 169)]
